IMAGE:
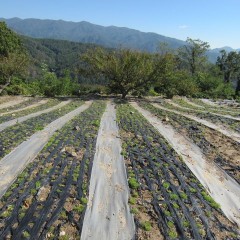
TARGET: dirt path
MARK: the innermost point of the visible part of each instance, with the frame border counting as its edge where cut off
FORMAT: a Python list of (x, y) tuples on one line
[(24, 118), (43, 101), (204, 111), (223, 189), (14, 163), (227, 132), (108, 215), (13, 102)]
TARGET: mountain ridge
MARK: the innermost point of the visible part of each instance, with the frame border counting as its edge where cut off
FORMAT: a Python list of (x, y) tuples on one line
[(107, 36)]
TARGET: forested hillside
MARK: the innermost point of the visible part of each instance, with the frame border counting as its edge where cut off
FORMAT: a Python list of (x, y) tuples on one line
[(58, 55)]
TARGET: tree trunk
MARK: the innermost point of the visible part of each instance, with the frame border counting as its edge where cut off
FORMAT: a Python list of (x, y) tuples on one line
[(2, 87), (124, 95), (227, 76)]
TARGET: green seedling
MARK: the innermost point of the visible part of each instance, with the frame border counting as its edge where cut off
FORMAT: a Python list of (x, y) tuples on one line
[(166, 185), (84, 200), (210, 200), (79, 208), (25, 234), (134, 211), (132, 200), (173, 196), (133, 183), (146, 226), (8, 211)]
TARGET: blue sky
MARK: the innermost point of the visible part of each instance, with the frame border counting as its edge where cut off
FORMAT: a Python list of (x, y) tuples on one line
[(214, 21)]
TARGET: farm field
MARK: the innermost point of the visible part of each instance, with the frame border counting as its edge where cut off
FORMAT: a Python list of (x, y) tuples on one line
[(113, 169)]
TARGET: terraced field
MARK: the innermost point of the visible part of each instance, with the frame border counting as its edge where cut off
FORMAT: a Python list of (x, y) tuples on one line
[(108, 169)]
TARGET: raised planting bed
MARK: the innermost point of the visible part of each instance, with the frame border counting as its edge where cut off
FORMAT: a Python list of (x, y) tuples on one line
[(225, 105), (167, 200), (205, 107), (48, 200), (175, 106), (8, 117), (226, 122), (215, 146), (13, 136), (23, 104)]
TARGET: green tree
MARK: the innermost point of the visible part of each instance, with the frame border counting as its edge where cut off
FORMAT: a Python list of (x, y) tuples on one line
[(172, 80), (125, 71), (229, 65), (49, 83), (65, 85), (13, 58), (193, 55)]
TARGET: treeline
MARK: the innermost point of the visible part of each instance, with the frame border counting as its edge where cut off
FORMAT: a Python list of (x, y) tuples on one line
[(54, 67)]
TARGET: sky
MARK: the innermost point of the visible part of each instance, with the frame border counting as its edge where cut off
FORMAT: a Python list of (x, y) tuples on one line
[(214, 21)]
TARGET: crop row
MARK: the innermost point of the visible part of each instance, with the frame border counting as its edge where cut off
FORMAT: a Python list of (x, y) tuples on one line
[(13, 136), (166, 198), (10, 116), (20, 105), (220, 120), (48, 200), (205, 107), (216, 106), (203, 137)]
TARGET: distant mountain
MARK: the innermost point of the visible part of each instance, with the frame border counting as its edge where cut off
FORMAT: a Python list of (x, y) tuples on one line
[(226, 48), (86, 32)]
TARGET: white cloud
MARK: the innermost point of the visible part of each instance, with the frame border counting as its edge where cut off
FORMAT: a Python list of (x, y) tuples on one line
[(183, 26)]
